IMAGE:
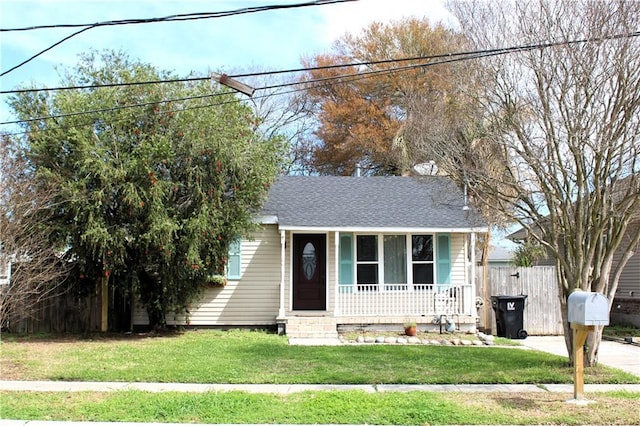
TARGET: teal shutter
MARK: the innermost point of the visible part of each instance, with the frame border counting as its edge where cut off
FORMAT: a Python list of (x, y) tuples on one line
[(443, 258), (345, 248), (234, 262)]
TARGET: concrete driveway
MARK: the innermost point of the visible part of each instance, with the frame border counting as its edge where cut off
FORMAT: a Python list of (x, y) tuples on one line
[(613, 354)]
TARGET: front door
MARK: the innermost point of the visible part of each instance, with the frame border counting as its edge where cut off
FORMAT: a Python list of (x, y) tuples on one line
[(309, 272)]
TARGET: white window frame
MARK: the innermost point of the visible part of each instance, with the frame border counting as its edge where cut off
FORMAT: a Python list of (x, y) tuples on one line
[(381, 285), (424, 262), (356, 263)]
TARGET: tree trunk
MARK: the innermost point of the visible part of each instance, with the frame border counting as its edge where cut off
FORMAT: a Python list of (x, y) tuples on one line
[(592, 347), (104, 304)]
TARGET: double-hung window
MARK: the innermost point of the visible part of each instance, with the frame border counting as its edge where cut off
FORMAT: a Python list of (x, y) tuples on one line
[(422, 259), (367, 262), (387, 262)]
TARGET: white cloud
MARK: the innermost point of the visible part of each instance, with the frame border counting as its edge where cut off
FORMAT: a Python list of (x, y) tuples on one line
[(352, 17)]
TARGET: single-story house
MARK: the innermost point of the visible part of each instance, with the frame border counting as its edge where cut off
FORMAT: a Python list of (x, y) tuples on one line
[(349, 251)]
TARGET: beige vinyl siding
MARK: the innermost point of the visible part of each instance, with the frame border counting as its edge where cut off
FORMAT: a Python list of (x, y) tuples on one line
[(252, 300), (629, 284), (459, 273)]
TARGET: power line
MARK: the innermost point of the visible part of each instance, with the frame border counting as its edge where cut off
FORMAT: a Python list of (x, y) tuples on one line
[(182, 16), (26, 61), (173, 111), (348, 65), (450, 58), (345, 77), (170, 18)]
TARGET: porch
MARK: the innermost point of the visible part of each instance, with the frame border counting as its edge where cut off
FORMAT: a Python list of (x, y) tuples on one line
[(385, 307), (410, 301)]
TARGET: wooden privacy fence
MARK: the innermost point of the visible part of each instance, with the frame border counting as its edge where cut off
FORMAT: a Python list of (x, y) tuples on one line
[(67, 313), (542, 306)]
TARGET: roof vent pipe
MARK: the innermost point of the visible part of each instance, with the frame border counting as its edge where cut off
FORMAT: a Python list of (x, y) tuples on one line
[(466, 198), (358, 170)]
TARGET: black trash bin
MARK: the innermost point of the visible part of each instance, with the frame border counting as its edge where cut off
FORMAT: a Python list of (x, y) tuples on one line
[(509, 312)]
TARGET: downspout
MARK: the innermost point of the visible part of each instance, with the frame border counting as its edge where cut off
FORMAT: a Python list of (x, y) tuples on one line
[(283, 253)]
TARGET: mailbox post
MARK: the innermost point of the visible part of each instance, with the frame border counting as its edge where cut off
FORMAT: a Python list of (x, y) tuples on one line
[(585, 311)]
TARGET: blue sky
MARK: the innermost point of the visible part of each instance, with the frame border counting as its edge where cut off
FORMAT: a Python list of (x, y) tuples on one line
[(260, 41), (263, 40)]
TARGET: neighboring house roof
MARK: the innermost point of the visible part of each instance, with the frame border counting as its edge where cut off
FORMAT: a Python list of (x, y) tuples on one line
[(499, 254), (626, 188), (370, 202)]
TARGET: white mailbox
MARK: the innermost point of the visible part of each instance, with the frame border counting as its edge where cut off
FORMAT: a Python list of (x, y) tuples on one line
[(588, 308)]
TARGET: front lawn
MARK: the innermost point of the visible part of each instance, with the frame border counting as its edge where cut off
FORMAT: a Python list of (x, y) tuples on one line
[(210, 356)]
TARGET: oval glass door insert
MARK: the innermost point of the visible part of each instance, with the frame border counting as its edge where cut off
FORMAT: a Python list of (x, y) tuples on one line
[(309, 260)]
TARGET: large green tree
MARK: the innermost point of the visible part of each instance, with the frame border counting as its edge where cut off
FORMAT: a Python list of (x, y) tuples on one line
[(154, 181)]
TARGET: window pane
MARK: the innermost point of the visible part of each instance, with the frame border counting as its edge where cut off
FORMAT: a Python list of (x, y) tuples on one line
[(367, 274), (234, 246), (367, 248), (345, 269), (234, 262), (423, 273), (309, 261), (395, 259), (345, 248), (422, 248)]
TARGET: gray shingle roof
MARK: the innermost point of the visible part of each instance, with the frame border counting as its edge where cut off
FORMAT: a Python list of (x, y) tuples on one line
[(370, 202)]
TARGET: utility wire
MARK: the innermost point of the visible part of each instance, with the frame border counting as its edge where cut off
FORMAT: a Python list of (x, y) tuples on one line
[(26, 61), (253, 74), (339, 79), (348, 65), (189, 108), (181, 17), (309, 84)]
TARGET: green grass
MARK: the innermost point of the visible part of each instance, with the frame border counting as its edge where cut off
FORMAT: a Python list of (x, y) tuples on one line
[(210, 356), (621, 331), (340, 407), (257, 357)]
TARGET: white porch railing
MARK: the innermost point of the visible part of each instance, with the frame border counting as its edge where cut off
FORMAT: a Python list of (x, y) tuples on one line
[(404, 300)]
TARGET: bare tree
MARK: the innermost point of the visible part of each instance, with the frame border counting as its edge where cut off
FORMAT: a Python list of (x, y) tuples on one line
[(35, 269), (285, 113), (563, 113)]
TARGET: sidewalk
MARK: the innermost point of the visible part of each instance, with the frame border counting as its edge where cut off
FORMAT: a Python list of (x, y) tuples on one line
[(47, 386)]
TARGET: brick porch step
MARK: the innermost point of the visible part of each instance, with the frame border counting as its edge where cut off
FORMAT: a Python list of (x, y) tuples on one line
[(304, 327)]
